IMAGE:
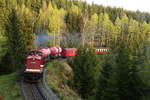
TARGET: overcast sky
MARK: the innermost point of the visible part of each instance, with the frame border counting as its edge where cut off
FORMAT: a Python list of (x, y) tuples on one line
[(142, 5)]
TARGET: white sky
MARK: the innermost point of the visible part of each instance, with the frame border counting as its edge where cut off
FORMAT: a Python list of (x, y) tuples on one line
[(142, 5)]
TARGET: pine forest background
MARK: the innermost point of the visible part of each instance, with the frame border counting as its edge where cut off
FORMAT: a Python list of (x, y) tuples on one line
[(124, 74)]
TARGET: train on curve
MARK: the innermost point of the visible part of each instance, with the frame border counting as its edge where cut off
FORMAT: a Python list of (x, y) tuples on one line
[(35, 60)]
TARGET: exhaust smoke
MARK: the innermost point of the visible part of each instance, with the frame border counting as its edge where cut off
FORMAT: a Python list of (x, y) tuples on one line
[(42, 38)]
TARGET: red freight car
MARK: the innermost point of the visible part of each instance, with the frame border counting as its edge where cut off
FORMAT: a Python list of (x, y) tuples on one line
[(45, 51), (55, 51), (68, 52)]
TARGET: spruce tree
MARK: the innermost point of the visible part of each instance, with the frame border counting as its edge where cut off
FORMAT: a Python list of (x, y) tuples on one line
[(73, 19), (106, 81), (129, 83), (85, 71), (19, 35), (13, 37)]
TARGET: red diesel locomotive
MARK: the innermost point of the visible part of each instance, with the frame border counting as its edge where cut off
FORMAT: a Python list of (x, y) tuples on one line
[(36, 59)]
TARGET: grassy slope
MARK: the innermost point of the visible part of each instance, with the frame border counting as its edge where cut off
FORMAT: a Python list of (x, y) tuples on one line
[(9, 87), (57, 77)]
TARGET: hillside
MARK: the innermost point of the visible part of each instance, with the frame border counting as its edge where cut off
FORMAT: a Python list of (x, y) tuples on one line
[(58, 76)]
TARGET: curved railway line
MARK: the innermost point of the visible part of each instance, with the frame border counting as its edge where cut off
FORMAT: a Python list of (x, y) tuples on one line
[(37, 91), (36, 60)]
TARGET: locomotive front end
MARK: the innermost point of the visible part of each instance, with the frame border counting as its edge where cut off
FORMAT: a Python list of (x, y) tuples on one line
[(34, 66)]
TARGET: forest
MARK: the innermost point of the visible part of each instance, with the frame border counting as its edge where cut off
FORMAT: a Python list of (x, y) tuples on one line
[(123, 74)]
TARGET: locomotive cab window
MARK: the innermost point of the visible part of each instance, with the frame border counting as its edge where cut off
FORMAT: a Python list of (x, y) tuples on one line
[(39, 53), (31, 53)]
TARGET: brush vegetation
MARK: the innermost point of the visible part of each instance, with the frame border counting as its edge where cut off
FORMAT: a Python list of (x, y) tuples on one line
[(58, 76)]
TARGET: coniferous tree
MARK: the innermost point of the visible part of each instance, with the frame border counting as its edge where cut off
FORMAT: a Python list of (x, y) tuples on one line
[(85, 69), (73, 19), (105, 84), (13, 35), (129, 83), (19, 35)]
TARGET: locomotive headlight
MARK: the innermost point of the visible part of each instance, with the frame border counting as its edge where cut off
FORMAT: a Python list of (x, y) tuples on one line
[(42, 66)]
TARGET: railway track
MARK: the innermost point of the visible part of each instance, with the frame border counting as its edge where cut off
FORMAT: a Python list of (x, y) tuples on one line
[(38, 95), (37, 91), (31, 92), (26, 90)]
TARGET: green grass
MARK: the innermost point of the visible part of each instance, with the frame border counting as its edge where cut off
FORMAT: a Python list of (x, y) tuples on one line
[(9, 87), (57, 78)]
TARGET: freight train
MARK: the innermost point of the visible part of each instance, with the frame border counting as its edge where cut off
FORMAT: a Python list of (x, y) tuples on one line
[(35, 60)]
